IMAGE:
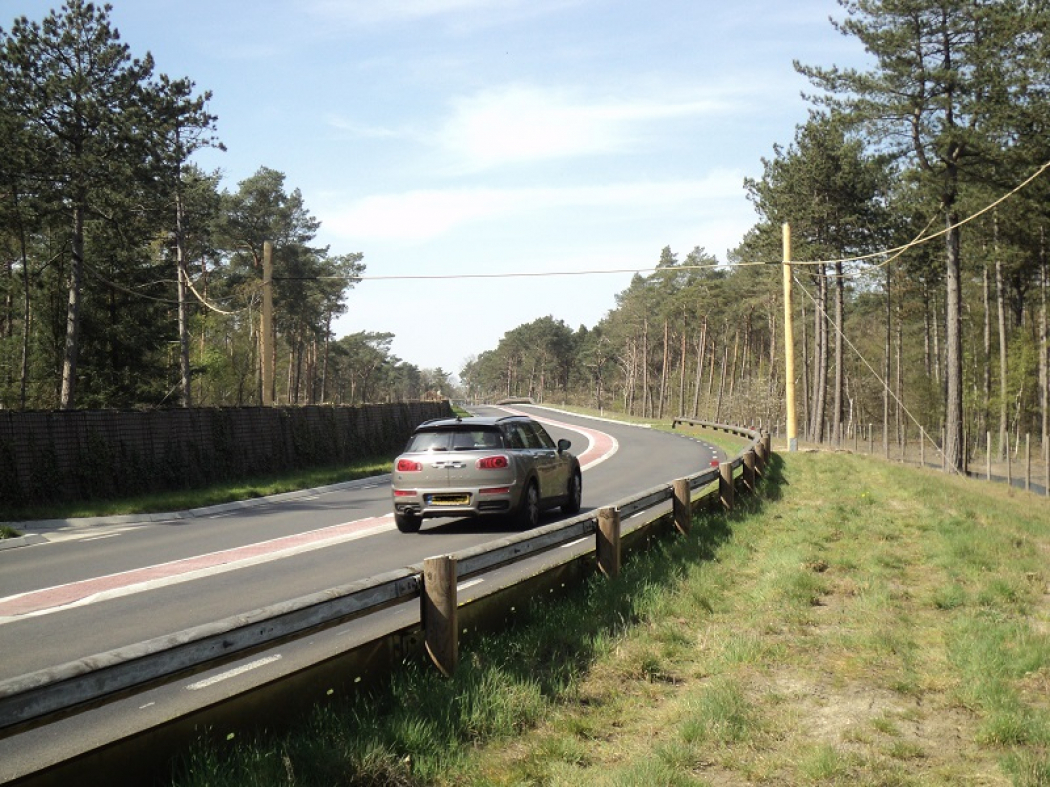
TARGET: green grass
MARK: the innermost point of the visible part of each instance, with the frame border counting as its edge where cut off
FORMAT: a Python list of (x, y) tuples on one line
[(862, 623), (226, 492), (6, 531)]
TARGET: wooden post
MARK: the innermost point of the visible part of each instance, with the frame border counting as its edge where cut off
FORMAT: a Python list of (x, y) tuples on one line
[(607, 547), (683, 506), (726, 492), (1009, 465), (922, 447), (988, 456), (767, 448), (749, 472), (871, 440), (1027, 462), (440, 612)]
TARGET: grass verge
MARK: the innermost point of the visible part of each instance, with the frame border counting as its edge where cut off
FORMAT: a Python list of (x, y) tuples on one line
[(862, 623)]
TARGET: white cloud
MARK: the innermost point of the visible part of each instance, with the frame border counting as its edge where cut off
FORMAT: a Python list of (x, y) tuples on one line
[(426, 214), (520, 124)]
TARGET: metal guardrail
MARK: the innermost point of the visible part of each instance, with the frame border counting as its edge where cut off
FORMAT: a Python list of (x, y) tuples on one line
[(36, 698)]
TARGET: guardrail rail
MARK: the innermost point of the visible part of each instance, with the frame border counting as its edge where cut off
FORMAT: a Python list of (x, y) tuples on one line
[(50, 694)]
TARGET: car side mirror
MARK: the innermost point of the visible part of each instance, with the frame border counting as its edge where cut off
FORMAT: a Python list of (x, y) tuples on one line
[(564, 445)]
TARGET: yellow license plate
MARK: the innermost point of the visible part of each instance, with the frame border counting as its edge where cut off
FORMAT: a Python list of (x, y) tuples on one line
[(450, 500)]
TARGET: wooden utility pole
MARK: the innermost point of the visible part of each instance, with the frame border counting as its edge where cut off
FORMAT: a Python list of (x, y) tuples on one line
[(266, 332), (789, 346)]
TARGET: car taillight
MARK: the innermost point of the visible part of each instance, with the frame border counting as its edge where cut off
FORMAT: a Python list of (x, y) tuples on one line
[(405, 493), (497, 462), (408, 466), (495, 490)]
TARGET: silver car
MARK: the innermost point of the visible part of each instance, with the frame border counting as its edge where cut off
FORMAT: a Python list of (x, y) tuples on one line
[(505, 466)]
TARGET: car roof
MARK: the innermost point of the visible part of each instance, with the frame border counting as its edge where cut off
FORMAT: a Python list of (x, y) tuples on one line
[(453, 423)]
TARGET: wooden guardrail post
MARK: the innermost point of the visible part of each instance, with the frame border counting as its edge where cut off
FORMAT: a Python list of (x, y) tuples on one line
[(607, 547), (726, 492), (440, 612), (749, 471), (683, 507)]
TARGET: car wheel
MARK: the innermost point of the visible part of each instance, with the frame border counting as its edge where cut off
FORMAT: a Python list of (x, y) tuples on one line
[(408, 523), (574, 496), (529, 510)]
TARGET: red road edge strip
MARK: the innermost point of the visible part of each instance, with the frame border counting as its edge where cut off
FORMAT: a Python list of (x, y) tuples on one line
[(601, 446)]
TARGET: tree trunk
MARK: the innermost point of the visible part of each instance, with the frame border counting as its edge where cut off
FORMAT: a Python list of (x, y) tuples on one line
[(1000, 302), (805, 369), (645, 369), (886, 367), (682, 374), (182, 277), (663, 373), (953, 411), (986, 372), (701, 350), (722, 382), (1044, 342), (820, 358), (840, 298), (67, 397)]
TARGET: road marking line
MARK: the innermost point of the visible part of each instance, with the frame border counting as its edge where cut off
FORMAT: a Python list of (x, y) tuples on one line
[(99, 538), (469, 583), (74, 594), (574, 543), (233, 673)]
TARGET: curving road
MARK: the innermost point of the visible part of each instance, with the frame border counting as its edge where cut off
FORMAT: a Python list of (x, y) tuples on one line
[(91, 589)]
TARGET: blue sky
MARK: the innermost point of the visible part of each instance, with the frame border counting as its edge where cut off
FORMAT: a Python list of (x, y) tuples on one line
[(494, 136)]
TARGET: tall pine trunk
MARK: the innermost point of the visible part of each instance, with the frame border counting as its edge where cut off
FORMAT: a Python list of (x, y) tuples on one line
[(67, 397)]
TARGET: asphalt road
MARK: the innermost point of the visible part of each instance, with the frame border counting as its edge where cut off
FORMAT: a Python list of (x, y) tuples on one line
[(87, 590)]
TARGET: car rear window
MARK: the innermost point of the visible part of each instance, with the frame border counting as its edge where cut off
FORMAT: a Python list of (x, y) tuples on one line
[(461, 439)]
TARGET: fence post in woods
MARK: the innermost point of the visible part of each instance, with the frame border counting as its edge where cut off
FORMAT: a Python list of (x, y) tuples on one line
[(440, 612), (1027, 462), (682, 506), (988, 456), (725, 485), (607, 547)]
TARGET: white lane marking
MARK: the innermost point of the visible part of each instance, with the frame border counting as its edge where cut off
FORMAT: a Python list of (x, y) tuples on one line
[(233, 673), (469, 583), (386, 523), (147, 705), (99, 538), (574, 543)]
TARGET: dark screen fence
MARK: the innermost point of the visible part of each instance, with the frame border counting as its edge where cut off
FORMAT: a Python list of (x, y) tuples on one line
[(92, 454)]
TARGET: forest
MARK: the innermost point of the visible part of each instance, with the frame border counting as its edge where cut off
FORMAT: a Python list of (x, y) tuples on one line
[(918, 201), (916, 193), (129, 277)]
